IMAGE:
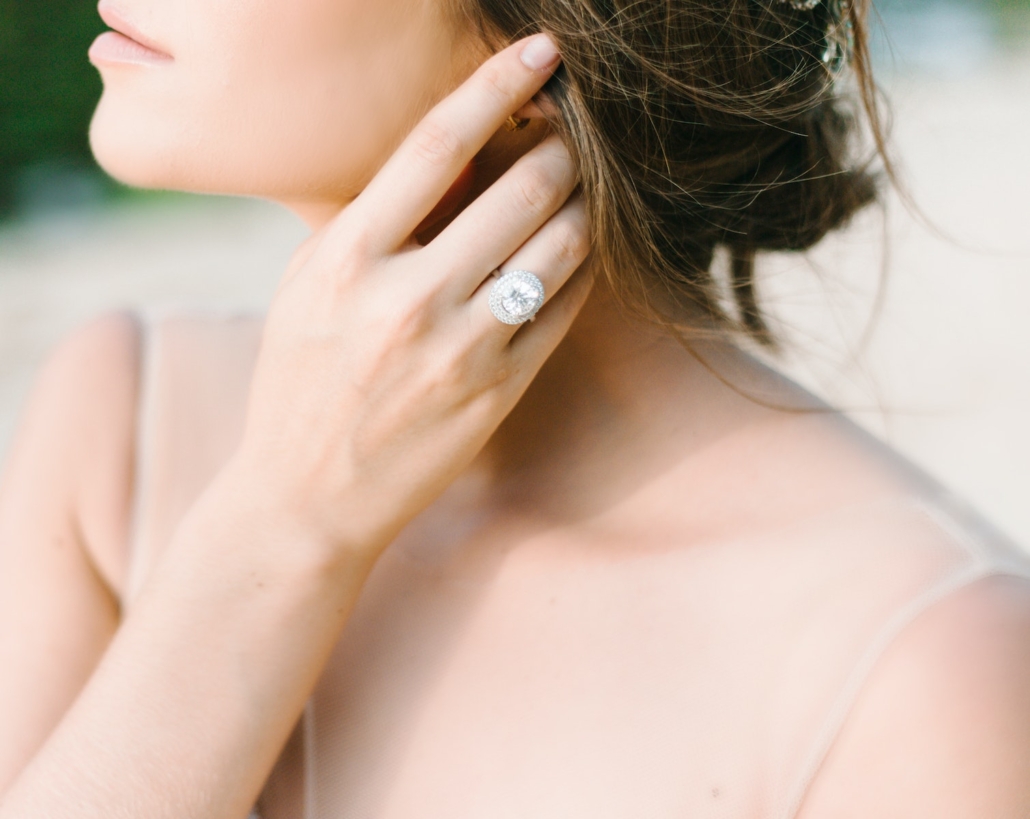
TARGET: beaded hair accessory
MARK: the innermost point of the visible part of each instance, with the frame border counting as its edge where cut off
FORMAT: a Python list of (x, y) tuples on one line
[(839, 35)]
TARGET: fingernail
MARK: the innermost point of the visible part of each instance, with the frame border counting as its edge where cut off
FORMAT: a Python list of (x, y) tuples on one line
[(540, 52)]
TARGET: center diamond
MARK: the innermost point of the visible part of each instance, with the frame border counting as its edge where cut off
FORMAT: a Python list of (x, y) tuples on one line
[(516, 296), (520, 297)]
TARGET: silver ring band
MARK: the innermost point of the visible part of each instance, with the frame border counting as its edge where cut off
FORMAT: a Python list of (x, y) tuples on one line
[(516, 296)]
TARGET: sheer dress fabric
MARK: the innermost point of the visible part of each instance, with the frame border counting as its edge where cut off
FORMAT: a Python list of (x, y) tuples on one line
[(514, 692)]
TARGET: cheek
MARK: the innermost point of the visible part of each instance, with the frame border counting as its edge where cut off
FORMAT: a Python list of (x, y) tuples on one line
[(304, 105)]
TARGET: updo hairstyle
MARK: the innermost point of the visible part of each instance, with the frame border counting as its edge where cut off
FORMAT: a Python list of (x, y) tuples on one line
[(705, 124)]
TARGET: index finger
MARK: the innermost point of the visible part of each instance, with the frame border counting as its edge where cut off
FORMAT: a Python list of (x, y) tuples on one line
[(427, 163)]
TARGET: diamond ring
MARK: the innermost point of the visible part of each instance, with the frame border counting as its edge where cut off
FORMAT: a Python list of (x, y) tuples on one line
[(516, 296)]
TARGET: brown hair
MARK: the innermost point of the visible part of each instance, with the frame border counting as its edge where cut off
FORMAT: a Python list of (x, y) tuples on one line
[(705, 124)]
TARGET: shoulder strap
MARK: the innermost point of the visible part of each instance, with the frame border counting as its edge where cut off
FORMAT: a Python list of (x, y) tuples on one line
[(148, 336), (987, 556), (835, 719), (195, 373)]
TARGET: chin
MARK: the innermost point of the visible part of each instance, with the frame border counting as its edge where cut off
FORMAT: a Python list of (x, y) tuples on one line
[(146, 152), (131, 150), (151, 152)]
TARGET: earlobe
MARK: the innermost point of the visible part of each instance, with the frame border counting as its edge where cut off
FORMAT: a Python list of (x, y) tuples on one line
[(514, 123)]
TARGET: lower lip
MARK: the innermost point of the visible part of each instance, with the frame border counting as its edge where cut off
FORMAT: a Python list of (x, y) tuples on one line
[(112, 47)]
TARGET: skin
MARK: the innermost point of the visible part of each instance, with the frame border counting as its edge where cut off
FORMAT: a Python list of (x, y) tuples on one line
[(213, 119), (272, 558)]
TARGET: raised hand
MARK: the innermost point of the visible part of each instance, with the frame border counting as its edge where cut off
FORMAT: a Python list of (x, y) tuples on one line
[(382, 370)]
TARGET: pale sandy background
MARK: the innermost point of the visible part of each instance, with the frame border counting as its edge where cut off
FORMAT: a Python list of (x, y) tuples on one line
[(949, 362)]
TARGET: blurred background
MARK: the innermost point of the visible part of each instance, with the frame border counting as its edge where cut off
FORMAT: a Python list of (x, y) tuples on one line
[(943, 373)]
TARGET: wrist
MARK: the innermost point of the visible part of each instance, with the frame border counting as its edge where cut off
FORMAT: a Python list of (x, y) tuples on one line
[(264, 523)]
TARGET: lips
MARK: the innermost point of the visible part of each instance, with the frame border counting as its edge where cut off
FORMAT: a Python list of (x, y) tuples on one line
[(126, 42)]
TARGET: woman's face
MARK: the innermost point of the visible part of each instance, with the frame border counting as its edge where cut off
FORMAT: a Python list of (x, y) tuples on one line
[(300, 101)]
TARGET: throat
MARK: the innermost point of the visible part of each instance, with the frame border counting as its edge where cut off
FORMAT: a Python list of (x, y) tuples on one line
[(605, 413)]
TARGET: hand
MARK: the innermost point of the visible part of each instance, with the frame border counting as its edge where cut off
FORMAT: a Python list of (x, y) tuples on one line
[(382, 371)]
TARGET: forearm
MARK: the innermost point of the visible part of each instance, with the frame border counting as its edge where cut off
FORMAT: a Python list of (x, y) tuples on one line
[(199, 690)]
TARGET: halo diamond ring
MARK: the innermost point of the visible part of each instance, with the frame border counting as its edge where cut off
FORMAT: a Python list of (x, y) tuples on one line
[(516, 296)]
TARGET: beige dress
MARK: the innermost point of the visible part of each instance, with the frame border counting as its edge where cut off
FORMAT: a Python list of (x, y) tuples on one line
[(700, 682)]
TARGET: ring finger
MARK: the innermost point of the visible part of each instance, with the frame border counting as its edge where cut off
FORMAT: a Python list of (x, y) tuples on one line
[(503, 217), (552, 254)]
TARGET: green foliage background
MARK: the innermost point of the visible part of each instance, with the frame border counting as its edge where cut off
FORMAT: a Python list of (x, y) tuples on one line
[(48, 89)]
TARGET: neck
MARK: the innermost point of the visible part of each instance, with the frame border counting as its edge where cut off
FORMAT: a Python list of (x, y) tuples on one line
[(619, 404), (614, 402), (496, 157)]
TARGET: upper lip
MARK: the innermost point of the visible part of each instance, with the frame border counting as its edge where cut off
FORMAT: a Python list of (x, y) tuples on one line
[(113, 18)]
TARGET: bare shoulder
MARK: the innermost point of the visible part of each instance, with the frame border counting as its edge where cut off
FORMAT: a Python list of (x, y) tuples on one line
[(942, 726), (71, 458)]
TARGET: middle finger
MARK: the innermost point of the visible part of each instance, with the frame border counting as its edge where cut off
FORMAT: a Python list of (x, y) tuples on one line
[(419, 173), (504, 217)]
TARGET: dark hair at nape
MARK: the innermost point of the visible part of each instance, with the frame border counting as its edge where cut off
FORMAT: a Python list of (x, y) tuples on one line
[(705, 124)]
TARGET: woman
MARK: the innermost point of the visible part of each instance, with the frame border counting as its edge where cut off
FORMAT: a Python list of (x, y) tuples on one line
[(383, 553)]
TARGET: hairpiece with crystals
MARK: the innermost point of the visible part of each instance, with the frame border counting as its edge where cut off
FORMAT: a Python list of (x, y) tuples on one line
[(839, 35)]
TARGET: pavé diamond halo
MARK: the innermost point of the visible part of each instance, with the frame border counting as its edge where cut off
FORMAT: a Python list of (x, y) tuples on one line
[(516, 296)]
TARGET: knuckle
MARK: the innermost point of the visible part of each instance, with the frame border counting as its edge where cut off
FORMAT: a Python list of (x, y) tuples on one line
[(554, 146), (498, 376), (570, 243), (505, 385), (336, 289), (448, 373), (408, 321), (343, 272), (436, 144), (498, 85), (464, 369), (350, 239), (535, 188), (354, 255)]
